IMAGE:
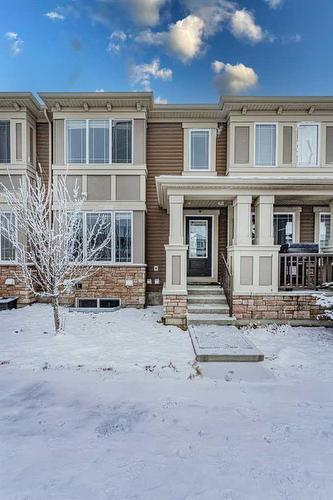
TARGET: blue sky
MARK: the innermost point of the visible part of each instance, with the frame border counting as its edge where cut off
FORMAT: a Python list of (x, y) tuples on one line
[(183, 50)]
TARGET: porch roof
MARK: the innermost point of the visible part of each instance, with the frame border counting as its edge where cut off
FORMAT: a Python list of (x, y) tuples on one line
[(318, 189)]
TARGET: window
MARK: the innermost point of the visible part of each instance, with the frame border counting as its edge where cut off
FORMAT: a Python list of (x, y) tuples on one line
[(198, 239), (123, 237), (307, 145), (88, 141), (76, 141), (265, 144), (98, 226), (4, 141), (283, 227), (324, 230), (99, 137), (199, 149), (122, 142), (7, 251)]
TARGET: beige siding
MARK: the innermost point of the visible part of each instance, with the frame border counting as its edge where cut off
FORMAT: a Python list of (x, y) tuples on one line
[(58, 142), (9, 182), (242, 144), (73, 181), (139, 142), (128, 187), (329, 144), (287, 147), (19, 141), (138, 237), (99, 187)]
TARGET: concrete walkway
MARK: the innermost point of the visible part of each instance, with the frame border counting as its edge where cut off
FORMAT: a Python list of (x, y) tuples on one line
[(222, 343)]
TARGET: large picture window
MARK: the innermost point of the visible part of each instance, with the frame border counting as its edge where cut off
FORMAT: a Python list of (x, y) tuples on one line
[(307, 144), (4, 141), (283, 227), (89, 141), (324, 229), (265, 144), (7, 251), (199, 149)]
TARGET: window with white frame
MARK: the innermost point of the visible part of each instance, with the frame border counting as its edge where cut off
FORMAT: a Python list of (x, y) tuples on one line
[(283, 228), (4, 141), (7, 250), (308, 144), (199, 157), (96, 227), (265, 144), (99, 141), (324, 229)]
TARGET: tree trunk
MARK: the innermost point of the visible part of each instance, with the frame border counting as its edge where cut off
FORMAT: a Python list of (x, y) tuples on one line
[(56, 316)]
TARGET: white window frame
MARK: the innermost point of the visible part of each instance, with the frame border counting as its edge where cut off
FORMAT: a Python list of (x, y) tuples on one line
[(112, 261), (318, 125), (8, 262), (209, 168), (276, 143), (294, 223), (319, 222), (110, 120)]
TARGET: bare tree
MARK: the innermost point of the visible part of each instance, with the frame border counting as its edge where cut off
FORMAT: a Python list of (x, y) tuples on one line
[(48, 243)]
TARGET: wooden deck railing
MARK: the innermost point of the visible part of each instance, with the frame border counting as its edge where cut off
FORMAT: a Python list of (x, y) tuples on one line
[(226, 282), (305, 271)]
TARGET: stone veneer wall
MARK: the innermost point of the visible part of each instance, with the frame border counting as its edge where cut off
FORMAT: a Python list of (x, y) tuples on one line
[(175, 310), (276, 307), (16, 290), (111, 282)]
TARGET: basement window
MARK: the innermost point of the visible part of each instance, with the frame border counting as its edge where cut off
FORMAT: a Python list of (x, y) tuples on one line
[(97, 304)]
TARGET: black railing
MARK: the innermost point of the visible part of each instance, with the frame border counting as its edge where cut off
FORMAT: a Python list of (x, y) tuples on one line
[(226, 282), (305, 271)]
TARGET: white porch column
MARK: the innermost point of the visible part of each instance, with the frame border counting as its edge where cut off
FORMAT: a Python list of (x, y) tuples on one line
[(176, 224), (264, 220), (242, 220)]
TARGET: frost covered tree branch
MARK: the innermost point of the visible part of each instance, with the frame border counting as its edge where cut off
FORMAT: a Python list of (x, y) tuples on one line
[(49, 247)]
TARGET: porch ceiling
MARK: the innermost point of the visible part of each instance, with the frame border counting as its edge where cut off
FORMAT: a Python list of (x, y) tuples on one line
[(203, 190)]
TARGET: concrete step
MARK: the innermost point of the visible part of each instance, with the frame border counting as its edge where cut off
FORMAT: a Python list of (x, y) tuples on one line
[(210, 319), (208, 308), (207, 299), (204, 290)]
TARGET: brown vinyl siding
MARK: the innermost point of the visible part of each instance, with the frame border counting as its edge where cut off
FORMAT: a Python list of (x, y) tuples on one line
[(42, 141), (221, 150), (307, 222), (164, 157)]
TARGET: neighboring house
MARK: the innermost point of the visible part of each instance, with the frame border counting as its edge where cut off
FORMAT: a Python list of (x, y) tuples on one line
[(197, 194)]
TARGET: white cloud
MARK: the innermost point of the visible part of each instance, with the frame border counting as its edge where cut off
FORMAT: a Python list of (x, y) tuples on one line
[(243, 25), (145, 12), (294, 38), (234, 79), (160, 100), (143, 73), (16, 43), (99, 90), (54, 16), (185, 37), (117, 40), (273, 3)]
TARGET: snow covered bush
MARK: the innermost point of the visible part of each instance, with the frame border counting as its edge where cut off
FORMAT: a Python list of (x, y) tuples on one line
[(325, 300), (45, 230)]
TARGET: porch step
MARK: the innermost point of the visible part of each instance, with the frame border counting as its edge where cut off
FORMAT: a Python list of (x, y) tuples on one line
[(210, 319), (203, 308), (204, 290), (207, 299)]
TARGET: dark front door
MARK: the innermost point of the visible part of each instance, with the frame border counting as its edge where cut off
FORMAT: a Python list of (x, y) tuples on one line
[(199, 241)]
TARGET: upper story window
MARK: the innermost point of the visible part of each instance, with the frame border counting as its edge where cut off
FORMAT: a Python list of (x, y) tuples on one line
[(265, 144), (308, 144), (4, 141), (199, 150), (89, 141)]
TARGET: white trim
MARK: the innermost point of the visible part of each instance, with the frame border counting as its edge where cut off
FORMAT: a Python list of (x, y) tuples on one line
[(209, 168), (317, 124), (276, 144)]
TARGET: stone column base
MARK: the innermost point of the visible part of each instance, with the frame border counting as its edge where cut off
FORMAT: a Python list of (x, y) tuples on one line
[(175, 310)]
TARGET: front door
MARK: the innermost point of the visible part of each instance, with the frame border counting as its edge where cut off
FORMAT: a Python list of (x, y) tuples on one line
[(199, 241)]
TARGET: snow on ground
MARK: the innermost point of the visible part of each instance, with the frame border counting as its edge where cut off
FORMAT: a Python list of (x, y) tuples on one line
[(145, 430)]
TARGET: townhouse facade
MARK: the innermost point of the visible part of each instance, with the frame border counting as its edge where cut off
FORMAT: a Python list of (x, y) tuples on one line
[(199, 197)]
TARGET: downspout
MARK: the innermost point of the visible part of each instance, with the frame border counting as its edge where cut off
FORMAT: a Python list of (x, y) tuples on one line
[(50, 164)]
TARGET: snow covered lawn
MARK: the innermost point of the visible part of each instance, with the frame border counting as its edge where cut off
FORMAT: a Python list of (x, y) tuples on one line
[(113, 411)]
